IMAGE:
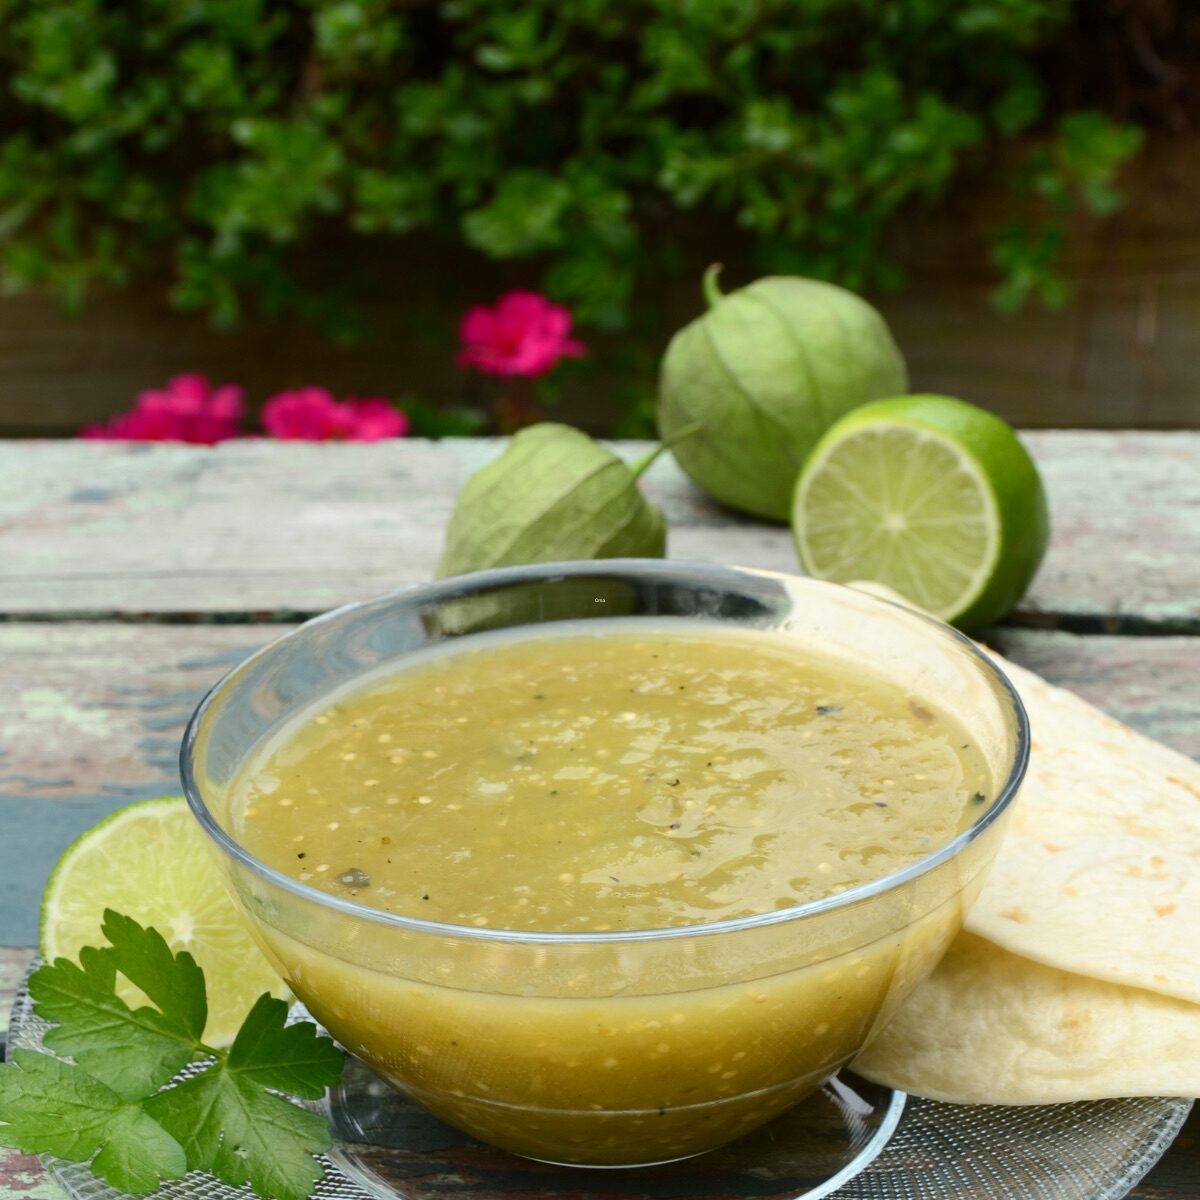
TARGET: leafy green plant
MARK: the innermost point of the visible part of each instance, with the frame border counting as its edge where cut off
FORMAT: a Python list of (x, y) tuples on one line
[(219, 141), (1075, 171), (117, 1107)]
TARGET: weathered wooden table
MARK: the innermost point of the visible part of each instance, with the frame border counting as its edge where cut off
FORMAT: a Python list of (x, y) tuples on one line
[(132, 576)]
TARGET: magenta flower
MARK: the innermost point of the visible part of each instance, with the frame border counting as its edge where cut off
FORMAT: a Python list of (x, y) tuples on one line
[(524, 334), (312, 414), (188, 409)]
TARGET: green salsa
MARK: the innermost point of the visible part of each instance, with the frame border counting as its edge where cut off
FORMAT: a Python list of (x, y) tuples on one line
[(612, 777), (619, 781)]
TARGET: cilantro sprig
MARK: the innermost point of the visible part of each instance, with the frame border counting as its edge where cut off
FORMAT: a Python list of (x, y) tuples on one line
[(109, 1106)]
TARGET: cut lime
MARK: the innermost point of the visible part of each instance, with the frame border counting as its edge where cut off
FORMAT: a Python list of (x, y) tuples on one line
[(930, 495), (149, 860)]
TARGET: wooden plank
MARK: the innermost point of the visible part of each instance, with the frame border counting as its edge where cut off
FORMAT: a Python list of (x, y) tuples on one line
[(14, 962), (1176, 1176), (1119, 353), (22, 1177), (257, 528), (1150, 683), (93, 715)]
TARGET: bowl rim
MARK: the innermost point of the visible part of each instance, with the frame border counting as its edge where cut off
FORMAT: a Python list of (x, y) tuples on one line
[(675, 570)]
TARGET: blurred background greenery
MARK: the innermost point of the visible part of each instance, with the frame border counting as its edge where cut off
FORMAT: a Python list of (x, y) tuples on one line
[(281, 193)]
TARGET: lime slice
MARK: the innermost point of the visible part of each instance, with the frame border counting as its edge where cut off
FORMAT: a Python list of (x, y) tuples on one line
[(929, 495), (149, 860)]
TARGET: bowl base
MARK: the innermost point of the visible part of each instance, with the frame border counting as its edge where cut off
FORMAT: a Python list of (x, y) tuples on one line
[(396, 1150)]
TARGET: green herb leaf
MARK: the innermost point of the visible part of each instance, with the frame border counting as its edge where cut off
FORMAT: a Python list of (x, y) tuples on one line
[(230, 1125), (108, 1106), (289, 1058), (51, 1107), (172, 981), (133, 1053)]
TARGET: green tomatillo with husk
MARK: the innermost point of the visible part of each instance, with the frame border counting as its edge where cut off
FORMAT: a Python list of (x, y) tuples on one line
[(555, 494), (763, 374)]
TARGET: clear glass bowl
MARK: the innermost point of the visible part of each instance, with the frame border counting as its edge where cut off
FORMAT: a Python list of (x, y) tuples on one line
[(622, 1048)]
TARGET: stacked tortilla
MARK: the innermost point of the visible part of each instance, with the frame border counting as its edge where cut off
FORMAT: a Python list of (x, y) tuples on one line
[(1078, 974)]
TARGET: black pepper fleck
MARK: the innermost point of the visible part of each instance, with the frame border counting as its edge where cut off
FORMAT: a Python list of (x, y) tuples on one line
[(978, 798), (824, 710)]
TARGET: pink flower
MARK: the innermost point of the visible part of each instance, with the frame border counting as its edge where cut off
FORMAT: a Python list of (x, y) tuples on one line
[(312, 414), (373, 419), (523, 335), (188, 409)]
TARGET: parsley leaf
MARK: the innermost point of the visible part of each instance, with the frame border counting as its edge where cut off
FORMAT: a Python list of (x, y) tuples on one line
[(109, 1106), (172, 981), (134, 1053), (52, 1107), (289, 1058), (229, 1124)]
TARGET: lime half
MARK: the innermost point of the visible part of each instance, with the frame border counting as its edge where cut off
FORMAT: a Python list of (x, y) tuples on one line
[(929, 495), (149, 860)]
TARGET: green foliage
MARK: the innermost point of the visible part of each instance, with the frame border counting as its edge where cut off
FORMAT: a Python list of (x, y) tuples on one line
[(220, 140), (228, 1122), (109, 1107), (52, 1107), (430, 421), (1075, 171)]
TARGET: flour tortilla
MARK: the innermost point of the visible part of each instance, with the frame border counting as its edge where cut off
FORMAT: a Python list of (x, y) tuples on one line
[(991, 1028), (1078, 974), (1099, 873)]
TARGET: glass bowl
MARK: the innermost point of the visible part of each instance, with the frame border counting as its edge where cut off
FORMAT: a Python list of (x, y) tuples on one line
[(618, 1048)]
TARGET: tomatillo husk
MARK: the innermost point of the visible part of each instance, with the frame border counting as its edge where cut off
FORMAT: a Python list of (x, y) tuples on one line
[(763, 374), (554, 494)]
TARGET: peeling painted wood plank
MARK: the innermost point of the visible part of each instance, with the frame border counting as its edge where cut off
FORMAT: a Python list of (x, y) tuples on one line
[(257, 528), (1125, 519), (22, 1177), (1152, 684), (14, 962), (99, 710), (92, 716)]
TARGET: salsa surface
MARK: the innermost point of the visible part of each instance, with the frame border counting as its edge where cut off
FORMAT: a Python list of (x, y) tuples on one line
[(636, 778)]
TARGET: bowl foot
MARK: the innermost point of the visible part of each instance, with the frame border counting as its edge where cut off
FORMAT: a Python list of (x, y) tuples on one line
[(396, 1150)]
